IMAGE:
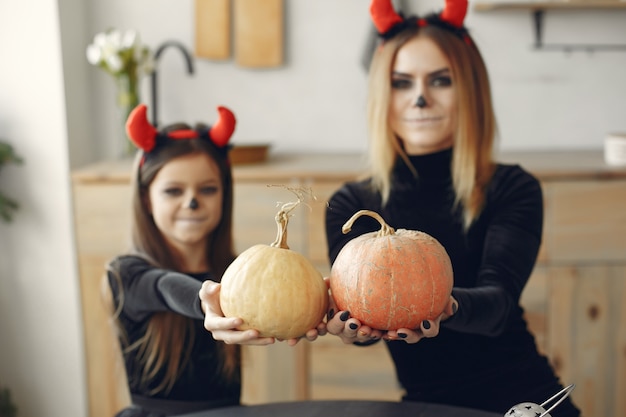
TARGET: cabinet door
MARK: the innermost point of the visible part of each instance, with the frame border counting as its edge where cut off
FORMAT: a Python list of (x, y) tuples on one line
[(102, 223), (587, 334), (315, 239), (340, 371)]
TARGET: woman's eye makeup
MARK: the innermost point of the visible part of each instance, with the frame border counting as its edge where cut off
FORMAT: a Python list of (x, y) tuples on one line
[(441, 81), (401, 83), (437, 79)]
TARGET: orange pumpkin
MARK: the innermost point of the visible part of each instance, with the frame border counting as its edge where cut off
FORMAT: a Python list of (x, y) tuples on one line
[(391, 279), (273, 289)]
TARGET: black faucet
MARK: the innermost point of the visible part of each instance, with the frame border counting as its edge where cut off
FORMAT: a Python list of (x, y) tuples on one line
[(153, 76)]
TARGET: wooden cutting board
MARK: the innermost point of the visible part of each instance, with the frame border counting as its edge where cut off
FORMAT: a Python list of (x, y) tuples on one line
[(213, 25), (258, 32)]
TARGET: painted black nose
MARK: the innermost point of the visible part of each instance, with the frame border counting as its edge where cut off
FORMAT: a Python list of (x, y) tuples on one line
[(193, 204), (421, 102)]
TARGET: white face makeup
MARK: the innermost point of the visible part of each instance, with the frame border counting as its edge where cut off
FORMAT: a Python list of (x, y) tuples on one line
[(423, 105), (185, 199)]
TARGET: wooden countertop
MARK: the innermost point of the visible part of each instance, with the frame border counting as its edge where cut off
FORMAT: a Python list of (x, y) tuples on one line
[(546, 165)]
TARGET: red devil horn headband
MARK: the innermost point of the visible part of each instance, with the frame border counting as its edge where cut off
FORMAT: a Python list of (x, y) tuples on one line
[(144, 135), (385, 17), (454, 12)]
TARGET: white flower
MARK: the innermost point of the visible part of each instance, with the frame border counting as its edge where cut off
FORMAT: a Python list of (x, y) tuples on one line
[(100, 40), (120, 53), (130, 39), (114, 62), (94, 54), (114, 39)]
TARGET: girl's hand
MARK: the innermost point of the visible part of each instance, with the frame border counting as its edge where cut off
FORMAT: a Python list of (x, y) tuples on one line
[(311, 335), (225, 328)]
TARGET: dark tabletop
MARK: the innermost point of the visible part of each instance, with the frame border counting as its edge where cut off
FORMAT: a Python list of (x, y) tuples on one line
[(343, 409)]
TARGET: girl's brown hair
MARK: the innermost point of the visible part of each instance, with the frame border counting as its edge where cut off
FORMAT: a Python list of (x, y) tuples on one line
[(472, 164), (160, 347)]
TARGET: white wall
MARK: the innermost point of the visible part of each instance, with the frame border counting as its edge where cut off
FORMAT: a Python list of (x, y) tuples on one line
[(314, 103), (41, 354), (316, 100)]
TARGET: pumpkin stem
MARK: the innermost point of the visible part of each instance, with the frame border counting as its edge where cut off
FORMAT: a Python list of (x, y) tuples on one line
[(385, 229), (282, 217), (282, 220)]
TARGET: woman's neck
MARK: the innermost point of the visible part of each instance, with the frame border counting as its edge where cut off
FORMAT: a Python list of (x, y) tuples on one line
[(433, 166)]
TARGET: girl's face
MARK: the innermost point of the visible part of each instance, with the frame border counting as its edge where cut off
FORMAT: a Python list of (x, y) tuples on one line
[(421, 69), (181, 180)]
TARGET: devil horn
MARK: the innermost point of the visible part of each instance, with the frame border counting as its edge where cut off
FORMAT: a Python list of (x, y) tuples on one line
[(223, 129), (139, 130), (384, 15), (454, 12)]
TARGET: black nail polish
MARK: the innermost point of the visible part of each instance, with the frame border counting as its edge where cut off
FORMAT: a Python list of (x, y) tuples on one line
[(402, 335), (344, 316), (426, 324), (331, 313), (455, 307), (353, 326)]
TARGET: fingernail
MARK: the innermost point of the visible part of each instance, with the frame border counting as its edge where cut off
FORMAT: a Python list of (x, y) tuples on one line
[(402, 335), (426, 324), (331, 313), (344, 316), (353, 326), (361, 332), (455, 307)]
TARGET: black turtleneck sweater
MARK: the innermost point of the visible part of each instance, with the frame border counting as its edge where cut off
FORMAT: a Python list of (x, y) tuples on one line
[(147, 290), (484, 356)]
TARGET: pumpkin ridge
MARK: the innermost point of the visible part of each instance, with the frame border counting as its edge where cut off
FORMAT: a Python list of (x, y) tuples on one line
[(392, 290), (432, 289)]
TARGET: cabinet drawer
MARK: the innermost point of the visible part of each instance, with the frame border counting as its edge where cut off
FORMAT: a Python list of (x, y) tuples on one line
[(583, 221)]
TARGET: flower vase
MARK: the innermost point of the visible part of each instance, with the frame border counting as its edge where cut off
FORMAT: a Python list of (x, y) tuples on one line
[(127, 100)]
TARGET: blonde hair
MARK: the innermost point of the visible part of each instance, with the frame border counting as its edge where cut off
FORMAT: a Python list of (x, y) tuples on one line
[(161, 346), (472, 164)]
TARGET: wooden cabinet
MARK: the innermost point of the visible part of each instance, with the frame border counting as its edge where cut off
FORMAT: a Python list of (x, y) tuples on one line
[(574, 301), (575, 298)]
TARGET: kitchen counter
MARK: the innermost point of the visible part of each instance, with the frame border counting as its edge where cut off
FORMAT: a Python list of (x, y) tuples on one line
[(545, 165)]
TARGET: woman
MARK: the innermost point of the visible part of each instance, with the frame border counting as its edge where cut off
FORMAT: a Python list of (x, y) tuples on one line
[(432, 131)]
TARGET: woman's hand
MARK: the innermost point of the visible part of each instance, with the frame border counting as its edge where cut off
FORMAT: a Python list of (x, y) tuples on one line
[(225, 328), (350, 330)]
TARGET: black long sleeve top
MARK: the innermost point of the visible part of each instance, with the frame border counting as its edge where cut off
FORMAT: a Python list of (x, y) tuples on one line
[(148, 290), (484, 356)]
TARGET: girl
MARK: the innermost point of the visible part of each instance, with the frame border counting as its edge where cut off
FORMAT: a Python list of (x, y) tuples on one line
[(182, 199), (432, 131)]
